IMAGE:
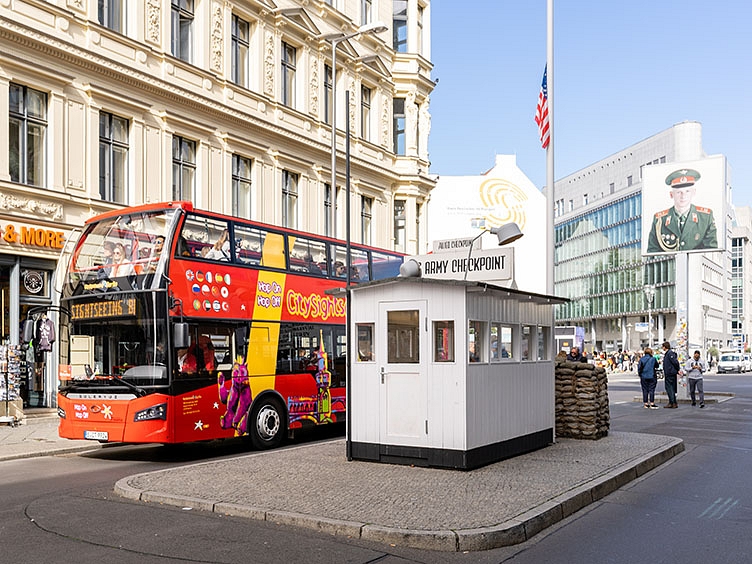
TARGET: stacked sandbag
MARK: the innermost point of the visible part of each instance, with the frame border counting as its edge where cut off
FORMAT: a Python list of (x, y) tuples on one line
[(581, 400)]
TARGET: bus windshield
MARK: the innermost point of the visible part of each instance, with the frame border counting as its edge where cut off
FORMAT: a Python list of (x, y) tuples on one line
[(125, 337), (121, 246)]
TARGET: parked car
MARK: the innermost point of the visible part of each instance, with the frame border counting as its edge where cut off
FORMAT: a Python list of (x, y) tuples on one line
[(731, 362), (747, 362)]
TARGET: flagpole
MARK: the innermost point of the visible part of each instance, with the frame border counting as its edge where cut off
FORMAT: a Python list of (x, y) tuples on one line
[(550, 149)]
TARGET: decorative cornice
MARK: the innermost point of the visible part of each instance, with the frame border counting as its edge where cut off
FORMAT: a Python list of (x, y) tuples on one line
[(15, 203)]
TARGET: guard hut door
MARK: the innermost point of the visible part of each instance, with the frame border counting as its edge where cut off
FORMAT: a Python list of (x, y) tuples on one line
[(403, 395)]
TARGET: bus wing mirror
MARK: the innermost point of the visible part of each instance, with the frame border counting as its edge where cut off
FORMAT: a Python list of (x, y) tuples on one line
[(241, 337), (28, 331), (180, 336)]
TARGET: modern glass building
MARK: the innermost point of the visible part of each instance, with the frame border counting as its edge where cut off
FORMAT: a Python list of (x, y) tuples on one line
[(622, 299)]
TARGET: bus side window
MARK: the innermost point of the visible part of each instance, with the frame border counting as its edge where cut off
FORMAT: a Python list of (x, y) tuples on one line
[(248, 244)]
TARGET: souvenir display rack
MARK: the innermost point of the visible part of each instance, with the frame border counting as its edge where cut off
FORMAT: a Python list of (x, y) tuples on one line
[(10, 373)]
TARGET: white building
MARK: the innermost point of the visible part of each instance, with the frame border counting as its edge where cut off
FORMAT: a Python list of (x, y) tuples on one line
[(227, 104), (463, 206), (598, 260)]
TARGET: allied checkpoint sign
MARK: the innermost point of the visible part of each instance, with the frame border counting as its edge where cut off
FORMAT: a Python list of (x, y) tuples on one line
[(494, 265)]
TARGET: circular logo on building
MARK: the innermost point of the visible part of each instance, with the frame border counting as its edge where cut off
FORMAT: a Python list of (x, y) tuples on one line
[(33, 281)]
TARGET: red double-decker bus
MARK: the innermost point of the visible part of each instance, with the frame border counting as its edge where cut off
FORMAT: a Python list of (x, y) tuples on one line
[(187, 325)]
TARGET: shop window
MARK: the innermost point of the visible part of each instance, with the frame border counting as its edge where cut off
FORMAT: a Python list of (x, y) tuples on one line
[(443, 341), (365, 342)]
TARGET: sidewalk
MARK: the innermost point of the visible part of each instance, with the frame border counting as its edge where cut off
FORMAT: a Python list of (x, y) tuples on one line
[(314, 486), (36, 435)]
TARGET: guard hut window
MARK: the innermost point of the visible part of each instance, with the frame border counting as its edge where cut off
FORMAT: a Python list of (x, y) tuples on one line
[(365, 342), (476, 338), (403, 331), (443, 341), (501, 342), (544, 340), (527, 340)]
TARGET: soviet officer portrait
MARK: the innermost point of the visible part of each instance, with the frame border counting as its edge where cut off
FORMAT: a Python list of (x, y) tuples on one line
[(684, 226)]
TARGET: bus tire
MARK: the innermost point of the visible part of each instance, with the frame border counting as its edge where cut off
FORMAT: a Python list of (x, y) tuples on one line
[(267, 423)]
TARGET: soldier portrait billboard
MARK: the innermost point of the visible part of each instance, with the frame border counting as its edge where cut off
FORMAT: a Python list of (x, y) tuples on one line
[(683, 206)]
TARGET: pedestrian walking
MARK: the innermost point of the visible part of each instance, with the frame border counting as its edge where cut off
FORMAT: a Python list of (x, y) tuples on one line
[(646, 371), (671, 369), (695, 367)]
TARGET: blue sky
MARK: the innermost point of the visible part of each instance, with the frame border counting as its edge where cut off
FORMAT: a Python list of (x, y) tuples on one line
[(623, 72)]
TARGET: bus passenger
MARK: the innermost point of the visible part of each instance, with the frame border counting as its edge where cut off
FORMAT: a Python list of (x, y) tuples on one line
[(187, 361), (221, 249), (339, 269), (119, 267)]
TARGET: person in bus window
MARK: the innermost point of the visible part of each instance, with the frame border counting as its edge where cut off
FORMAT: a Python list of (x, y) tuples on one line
[(119, 266), (107, 248), (313, 268), (339, 269), (187, 361), (221, 249), (156, 252), (206, 348)]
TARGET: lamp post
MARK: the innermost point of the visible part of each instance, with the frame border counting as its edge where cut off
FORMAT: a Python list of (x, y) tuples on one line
[(629, 336), (506, 233), (336, 39), (650, 296)]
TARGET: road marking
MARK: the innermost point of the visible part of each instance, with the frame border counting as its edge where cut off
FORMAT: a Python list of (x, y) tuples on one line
[(719, 508)]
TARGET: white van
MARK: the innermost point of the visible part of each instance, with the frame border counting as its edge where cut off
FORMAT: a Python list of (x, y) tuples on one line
[(731, 362)]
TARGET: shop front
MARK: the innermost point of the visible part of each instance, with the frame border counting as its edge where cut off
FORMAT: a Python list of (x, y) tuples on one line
[(29, 255)]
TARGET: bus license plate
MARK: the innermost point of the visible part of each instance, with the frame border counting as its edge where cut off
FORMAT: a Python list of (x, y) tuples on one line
[(96, 435)]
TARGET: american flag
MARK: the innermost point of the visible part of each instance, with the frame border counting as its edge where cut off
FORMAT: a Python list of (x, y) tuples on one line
[(541, 112)]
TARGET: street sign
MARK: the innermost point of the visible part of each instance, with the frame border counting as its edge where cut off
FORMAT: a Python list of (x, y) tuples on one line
[(641, 326)]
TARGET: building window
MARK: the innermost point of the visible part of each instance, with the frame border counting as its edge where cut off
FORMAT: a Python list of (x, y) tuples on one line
[(365, 220), (398, 126), (113, 157), (585, 199), (288, 74), (365, 113), (111, 14), (629, 180), (399, 226), (289, 199), (27, 132), (182, 29), (328, 94), (183, 168), (241, 186), (240, 47), (571, 205), (366, 11), (419, 41), (399, 26), (611, 188), (328, 210)]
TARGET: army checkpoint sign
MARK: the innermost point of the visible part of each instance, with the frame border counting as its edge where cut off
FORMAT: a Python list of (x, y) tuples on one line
[(493, 266)]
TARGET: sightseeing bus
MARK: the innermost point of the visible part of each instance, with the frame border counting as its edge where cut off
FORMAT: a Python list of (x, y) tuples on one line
[(187, 325)]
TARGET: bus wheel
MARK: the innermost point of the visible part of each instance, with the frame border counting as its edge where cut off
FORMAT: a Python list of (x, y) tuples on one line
[(267, 423)]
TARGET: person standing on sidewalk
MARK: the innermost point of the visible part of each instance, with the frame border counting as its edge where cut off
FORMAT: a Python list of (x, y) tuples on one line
[(646, 372), (695, 367), (671, 368)]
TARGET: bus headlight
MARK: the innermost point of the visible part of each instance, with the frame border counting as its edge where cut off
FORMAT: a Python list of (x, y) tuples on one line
[(153, 412)]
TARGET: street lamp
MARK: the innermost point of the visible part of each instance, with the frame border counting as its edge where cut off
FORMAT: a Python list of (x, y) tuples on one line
[(336, 39), (650, 296), (507, 233), (629, 336)]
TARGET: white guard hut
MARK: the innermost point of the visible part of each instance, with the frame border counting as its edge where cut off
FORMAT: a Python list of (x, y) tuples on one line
[(450, 373)]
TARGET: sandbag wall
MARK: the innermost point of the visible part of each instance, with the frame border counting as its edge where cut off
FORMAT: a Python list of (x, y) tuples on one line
[(581, 400)]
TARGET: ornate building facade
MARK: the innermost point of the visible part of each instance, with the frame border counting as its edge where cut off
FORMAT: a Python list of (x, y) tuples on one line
[(228, 104)]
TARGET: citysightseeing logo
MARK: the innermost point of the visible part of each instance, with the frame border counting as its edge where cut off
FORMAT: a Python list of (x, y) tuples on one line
[(315, 306)]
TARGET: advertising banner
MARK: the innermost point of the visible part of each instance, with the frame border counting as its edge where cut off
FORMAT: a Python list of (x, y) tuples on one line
[(683, 206)]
